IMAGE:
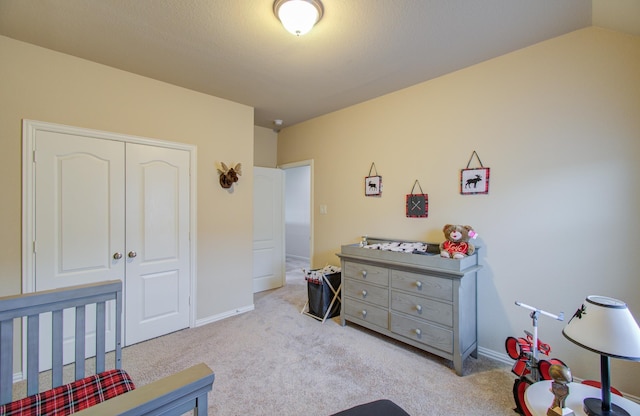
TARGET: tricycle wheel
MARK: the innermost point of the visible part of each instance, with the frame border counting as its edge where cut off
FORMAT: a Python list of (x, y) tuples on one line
[(519, 387), (511, 345)]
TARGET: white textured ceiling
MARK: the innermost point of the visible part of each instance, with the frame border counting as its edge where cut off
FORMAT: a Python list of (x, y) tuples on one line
[(237, 49)]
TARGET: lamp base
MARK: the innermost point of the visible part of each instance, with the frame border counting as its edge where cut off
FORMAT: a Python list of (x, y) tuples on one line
[(593, 407)]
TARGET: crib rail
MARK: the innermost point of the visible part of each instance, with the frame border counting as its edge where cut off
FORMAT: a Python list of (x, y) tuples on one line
[(31, 305), (172, 395)]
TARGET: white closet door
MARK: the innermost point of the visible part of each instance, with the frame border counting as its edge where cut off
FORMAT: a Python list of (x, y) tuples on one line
[(79, 217), (107, 209), (157, 282)]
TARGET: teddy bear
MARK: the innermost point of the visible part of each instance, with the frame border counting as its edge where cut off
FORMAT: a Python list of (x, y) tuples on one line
[(457, 243)]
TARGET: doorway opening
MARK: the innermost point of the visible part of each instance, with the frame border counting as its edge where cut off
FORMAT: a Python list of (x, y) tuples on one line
[(298, 217)]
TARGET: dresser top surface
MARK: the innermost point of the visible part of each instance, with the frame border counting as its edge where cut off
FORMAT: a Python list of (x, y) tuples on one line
[(424, 261)]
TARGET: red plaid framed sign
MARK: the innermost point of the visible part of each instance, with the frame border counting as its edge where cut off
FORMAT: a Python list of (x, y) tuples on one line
[(417, 205)]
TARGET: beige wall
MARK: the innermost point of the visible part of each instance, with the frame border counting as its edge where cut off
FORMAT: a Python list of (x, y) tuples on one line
[(557, 123), (623, 15), (265, 147), (40, 84)]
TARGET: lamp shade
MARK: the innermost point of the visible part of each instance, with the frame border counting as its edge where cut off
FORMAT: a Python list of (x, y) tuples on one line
[(298, 16), (605, 326)]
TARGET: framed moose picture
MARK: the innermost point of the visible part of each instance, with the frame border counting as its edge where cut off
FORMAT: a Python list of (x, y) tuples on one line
[(373, 186), (474, 181)]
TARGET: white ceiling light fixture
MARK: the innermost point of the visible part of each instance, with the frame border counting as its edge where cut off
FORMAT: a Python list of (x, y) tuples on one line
[(298, 16)]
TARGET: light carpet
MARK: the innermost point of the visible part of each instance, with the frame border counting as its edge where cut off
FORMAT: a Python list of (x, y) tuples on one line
[(276, 361)]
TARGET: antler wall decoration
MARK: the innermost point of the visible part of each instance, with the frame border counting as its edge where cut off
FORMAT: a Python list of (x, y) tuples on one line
[(228, 176)]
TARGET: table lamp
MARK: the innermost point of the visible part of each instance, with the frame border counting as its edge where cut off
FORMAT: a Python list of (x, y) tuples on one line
[(605, 326)]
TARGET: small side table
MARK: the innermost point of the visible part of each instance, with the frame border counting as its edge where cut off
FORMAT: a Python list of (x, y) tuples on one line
[(538, 398)]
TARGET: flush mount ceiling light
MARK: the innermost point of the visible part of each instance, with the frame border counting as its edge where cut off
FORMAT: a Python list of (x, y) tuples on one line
[(298, 16)]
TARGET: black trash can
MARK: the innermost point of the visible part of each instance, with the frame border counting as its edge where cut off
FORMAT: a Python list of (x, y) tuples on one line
[(321, 295)]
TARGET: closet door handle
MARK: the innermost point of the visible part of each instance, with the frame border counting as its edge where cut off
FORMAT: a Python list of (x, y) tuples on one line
[(132, 254), (117, 256)]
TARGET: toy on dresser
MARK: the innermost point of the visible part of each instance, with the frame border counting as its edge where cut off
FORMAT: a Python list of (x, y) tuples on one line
[(457, 245)]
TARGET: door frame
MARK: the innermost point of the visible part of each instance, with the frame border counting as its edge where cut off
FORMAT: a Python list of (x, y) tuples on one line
[(30, 128), (308, 162)]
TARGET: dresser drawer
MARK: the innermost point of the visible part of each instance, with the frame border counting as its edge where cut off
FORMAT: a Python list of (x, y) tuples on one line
[(366, 272), (364, 312), (366, 292), (431, 310), (423, 332), (435, 287)]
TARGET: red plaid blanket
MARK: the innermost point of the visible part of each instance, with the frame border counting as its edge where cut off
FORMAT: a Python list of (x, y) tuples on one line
[(72, 397)]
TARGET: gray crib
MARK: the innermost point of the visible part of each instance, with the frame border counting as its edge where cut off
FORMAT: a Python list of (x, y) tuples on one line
[(172, 395)]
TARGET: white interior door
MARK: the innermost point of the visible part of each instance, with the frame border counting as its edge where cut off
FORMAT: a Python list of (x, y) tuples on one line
[(268, 229), (158, 257), (79, 220)]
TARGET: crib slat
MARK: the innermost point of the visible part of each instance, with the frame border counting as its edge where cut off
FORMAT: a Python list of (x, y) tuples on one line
[(100, 336), (118, 363), (33, 358), (80, 341), (57, 338), (6, 360)]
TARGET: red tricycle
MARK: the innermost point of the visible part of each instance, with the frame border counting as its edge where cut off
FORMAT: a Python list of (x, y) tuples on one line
[(528, 367)]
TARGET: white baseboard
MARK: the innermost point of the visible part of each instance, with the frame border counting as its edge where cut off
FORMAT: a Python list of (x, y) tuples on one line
[(501, 357), (301, 258), (224, 315)]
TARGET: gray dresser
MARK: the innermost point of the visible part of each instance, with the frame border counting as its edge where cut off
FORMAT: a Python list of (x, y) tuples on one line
[(420, 299)]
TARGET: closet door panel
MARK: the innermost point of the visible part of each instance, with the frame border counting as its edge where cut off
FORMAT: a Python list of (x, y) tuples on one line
[(79, 223), (157, 222)]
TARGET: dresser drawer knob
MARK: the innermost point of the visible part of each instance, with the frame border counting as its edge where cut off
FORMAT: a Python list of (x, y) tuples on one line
[(419, 284), (364, 293), (364, 274), (419, 308), (364, 313), (418, 332)]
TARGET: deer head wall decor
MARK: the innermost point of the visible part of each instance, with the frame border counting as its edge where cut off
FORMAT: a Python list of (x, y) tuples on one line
[(228, 176)]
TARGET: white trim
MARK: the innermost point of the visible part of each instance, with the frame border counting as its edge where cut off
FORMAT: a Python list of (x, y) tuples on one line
[(224, 315), (29, 131), (500, 357), (193, 233), (292, 256)]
